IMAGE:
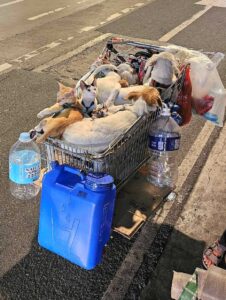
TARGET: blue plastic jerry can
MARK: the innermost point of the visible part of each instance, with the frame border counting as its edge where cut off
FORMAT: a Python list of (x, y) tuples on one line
[(76, 214)]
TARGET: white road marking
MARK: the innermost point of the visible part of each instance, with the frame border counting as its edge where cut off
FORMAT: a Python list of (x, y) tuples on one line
[(126, 10), (10, 3), (193, 154), (83, 1), (184, 170), (47, 13), (59, 9), (114, 16), (4, 67), (139, 4), (72, 53), (150, 229), (176, 30), (217, 3), (88, 28), (42, 49)]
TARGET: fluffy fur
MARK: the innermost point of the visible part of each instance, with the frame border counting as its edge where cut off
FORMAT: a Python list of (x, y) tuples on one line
[(99, 133), (88, 99), (123, 74), (109, 92), (149, 94), (128, 73), (112, 89), (65, 95), (55, 126)]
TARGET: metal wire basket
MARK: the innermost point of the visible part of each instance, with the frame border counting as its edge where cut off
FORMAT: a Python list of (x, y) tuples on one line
[(127, 153), (124, 156)]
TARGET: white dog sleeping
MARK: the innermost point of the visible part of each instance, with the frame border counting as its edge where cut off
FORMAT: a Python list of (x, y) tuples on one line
[(99, 133)]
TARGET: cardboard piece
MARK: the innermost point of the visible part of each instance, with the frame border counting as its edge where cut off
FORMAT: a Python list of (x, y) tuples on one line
[(135, 203)]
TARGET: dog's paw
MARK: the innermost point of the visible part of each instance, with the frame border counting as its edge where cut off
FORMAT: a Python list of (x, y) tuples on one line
[(115, 108), (42, 114), (99, 107)]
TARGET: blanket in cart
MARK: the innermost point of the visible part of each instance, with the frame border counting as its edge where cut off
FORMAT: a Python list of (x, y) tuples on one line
[(96, 135)]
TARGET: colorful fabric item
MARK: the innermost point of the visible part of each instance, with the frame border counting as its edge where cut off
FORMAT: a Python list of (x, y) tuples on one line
[(190, 291)]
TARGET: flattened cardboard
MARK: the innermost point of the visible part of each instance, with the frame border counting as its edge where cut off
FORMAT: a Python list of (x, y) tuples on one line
[(135, 203)]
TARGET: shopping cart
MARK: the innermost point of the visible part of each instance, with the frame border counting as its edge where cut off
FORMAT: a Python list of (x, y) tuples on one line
[(128, 152)]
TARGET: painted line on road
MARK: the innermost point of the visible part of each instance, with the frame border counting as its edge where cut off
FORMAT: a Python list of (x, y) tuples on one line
[(47, 13), (217, 3), (193, 154), (127, 271), (182, 26), (40, 50), (10, 3), (5, 66), (139, 4), (72, 53), (83, 1), (87, 28), (114, 16), (127, 10)]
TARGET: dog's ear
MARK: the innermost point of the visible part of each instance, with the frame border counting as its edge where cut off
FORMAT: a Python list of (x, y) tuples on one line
[(151, 96), (61, 86), (94, 83), (159, 101), (133, 95), (43, 123), (83, 85)]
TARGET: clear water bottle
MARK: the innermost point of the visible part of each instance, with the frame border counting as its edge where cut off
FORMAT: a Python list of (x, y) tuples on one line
[(164, 142), (24, 167)]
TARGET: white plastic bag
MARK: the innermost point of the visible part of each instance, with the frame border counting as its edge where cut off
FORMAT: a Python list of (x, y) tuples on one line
[(208, 93)]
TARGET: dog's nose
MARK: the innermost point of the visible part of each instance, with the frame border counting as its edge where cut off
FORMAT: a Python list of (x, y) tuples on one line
[(33, 133)]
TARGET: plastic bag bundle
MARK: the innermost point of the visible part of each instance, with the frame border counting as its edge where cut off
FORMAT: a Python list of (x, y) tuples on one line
[(208, 97), (208, 93)]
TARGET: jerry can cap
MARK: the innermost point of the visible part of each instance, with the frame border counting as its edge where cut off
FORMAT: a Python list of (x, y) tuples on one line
[(99, 181)]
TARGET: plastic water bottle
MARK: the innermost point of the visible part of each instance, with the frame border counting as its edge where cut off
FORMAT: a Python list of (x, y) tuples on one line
[(164, 142), (24, 167)]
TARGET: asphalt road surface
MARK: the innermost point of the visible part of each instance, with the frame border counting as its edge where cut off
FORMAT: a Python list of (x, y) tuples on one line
[(32, 34)]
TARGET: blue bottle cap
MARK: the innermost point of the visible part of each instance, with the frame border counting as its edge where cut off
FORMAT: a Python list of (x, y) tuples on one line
[(211, 117), (99, 181), (24, 137), (175, 108)]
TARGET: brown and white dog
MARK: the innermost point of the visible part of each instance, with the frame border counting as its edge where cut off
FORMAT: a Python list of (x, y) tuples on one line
[(110, 92), (67, 110), (112, 89)]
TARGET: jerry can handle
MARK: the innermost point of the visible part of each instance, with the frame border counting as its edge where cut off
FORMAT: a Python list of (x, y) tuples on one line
[(75, 171)]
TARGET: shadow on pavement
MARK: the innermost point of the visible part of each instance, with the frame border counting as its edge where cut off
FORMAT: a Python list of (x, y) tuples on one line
[(182, 254), (44, 275)]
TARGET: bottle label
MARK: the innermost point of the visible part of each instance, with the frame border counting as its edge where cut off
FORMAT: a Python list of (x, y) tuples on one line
[(164, 143), (24, 174)]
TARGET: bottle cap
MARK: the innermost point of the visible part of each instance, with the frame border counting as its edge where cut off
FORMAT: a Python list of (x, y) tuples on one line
[(99, 181), (24, 137)]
